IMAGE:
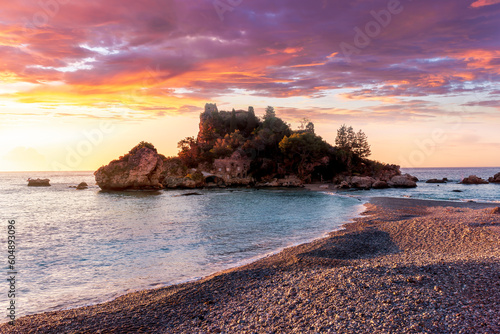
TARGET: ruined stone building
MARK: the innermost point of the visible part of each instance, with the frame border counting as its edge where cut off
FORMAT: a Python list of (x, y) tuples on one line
[(237, 166)]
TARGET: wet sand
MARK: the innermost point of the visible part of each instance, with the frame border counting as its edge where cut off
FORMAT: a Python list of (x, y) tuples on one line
[(406, 266)]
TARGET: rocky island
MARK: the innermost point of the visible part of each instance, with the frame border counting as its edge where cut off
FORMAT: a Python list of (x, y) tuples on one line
[(237, 148), (38, 182), (140, 169)]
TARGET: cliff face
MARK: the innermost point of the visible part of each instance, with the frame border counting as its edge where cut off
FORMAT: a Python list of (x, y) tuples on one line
[(141, 169)]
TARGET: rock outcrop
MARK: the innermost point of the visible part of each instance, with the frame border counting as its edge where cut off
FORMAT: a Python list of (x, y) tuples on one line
[(495, 179), (140, 169), (403, 181), (380, 185), (387, 173), (473, 179), (288, 181), (387, 177), (174, 182), (38, 183), (82, 185), (362, 182)]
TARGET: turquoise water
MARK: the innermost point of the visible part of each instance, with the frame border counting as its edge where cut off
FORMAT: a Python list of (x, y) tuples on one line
[(79, 247)]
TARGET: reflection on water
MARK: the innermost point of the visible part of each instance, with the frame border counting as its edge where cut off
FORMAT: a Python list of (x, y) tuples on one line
[(78, 247), (137, 194), (87, 246)]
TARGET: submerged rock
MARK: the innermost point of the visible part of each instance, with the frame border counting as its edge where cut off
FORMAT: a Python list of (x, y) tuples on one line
[(82, 185), (189, 194), (140, 169), (473, 179), (38, 182), (444, 180)]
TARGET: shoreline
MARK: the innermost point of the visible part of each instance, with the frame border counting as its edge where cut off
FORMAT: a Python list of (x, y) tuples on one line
[(379, 238)]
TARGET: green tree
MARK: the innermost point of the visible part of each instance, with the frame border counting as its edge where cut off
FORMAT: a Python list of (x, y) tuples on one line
[(306, 125), (232, 123), (270, 113), (310, 127), (303, 123), (141, 145), (189, 151), (221, 149), (302, 149), (361, 146), (252, 121), (346, 138)]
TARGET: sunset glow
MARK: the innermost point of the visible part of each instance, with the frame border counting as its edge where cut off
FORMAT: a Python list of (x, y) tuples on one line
[(81, 83)]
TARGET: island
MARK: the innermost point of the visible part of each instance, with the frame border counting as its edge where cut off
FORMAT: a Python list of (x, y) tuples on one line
[(237, 148)]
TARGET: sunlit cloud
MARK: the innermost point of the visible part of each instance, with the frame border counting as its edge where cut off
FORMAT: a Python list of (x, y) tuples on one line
[(481, 3), (141, 60)]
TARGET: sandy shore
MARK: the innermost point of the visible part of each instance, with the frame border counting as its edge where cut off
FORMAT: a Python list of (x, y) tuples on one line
[(406, 266)]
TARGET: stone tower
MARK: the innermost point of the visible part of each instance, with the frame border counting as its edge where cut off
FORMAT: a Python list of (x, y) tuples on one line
[(210, 107)]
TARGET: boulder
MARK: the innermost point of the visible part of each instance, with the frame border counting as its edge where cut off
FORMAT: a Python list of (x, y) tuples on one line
[(380, 185), (387, 173), (403, 181), (288, 181), (38, 183), (495, 179), (82, 185), (473, 179), (140, 169), (291, 181), (173, 182), (362, 182), (343, 185), (496, 211), (437, 180), (411, 177), (235, 182)]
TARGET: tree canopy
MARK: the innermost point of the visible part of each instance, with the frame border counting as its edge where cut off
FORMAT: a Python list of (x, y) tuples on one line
[(352, 142), (272, 146)]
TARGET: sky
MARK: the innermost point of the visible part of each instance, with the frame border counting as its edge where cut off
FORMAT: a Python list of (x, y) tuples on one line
[(82, 82)]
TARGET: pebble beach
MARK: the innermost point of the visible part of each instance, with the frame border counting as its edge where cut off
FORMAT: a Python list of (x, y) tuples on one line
[(405, 266)]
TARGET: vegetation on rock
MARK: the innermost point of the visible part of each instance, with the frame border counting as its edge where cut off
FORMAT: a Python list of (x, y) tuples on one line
[(274, 149), (238, 148)]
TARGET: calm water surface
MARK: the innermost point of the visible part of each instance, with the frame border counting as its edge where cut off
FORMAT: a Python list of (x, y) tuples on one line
[(78, 247)]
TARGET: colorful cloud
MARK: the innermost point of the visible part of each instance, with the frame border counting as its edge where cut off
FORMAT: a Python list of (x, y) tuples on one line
[(372, 60)]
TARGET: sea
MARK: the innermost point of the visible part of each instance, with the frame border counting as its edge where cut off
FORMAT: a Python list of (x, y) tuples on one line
[(82, 247)]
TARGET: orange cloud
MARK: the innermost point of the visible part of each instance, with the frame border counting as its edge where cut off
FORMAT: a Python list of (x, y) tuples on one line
[(481, 3)]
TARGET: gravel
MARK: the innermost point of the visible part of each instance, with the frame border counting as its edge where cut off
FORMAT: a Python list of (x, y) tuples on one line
[(404, 267)]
